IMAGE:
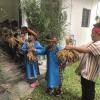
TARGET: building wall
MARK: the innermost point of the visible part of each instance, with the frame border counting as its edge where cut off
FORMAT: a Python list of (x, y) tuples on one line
[(82, 34), (8, 10)]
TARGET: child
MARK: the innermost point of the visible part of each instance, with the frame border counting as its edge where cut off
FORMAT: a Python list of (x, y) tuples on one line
[(89, 67), (53, 72), (32, 69)]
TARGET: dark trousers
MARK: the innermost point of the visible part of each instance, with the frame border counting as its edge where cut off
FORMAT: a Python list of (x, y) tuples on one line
[(88, 89)]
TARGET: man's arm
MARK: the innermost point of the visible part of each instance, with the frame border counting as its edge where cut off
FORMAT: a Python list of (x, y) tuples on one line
[(79, 49)]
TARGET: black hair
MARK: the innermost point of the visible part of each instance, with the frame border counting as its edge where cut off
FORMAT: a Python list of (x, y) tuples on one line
[(14, 23), (24, 28), (15, 35), (50, 35)]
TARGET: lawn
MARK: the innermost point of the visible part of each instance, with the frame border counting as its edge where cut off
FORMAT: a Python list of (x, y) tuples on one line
[(71, 87)]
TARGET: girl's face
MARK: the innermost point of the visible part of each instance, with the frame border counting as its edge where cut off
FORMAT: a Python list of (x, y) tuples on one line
[(31, 38), (95, 36)]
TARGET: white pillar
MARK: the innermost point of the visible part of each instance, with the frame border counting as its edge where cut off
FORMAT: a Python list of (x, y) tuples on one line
[(24, 17)]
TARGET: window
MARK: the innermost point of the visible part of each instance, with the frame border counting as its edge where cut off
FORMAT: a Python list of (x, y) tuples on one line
[(86, 17)]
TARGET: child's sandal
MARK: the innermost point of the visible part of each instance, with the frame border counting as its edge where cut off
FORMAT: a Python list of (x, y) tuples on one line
[(50, 91), (58, 92)]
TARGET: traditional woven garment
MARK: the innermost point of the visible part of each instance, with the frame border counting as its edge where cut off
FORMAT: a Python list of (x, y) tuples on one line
[(20, 42), (12, 41), (30, 55), (67, 56)]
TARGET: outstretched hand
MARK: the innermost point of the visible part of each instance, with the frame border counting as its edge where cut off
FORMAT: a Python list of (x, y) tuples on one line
[(69, 47), (32, 50)]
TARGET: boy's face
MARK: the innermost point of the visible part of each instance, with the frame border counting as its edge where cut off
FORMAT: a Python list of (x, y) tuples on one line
[(23, 36), (50, 43), (95, 36), (24, 31)]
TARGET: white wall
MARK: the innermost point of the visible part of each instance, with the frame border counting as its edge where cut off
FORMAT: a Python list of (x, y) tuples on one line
[(98, 7), (82, 35), (8, 9), (24, 17)]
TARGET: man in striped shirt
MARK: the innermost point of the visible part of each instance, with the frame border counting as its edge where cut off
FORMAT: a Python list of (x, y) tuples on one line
[(89, 67)]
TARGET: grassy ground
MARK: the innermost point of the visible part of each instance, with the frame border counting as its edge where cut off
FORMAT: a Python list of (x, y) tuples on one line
[(71, 87)]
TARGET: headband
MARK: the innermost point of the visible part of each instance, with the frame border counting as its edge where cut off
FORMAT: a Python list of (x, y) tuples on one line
[(96, 30)]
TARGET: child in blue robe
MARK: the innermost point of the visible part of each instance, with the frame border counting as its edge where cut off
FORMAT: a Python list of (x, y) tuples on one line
[(53, 67), (32, 68)]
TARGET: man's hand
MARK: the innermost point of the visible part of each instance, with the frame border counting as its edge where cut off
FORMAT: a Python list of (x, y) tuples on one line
[(31, 50), (69, 47)]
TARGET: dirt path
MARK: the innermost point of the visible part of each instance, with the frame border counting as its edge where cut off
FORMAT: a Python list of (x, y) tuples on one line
[(12, 87)]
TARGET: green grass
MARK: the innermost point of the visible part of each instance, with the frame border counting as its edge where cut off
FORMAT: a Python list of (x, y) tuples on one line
[(71, 87)]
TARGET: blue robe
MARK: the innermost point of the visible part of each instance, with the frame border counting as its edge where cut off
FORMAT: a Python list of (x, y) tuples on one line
[(32, 68), (53, 73)]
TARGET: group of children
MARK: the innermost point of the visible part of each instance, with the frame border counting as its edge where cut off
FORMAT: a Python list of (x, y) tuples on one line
[(32, 68), (89, 67), (25, 45)]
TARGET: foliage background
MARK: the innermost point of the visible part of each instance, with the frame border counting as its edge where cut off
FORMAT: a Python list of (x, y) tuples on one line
[(45, 16)]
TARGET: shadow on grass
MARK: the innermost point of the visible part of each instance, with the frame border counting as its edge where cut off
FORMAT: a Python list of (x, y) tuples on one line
[(70, 96)]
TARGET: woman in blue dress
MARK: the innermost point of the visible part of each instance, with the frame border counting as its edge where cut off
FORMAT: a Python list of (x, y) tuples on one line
[(53, 66), (32, 68)]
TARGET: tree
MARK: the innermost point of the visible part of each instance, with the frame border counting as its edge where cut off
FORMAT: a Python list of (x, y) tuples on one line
[(45, 16)]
